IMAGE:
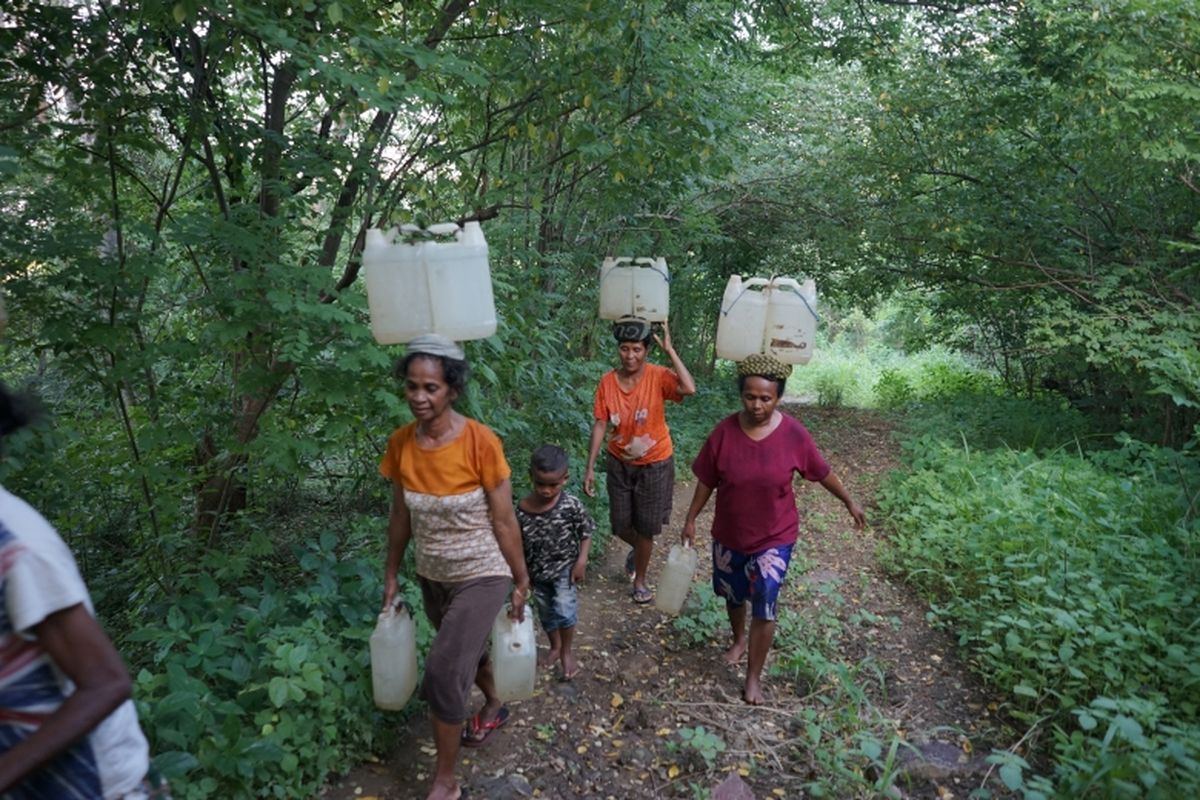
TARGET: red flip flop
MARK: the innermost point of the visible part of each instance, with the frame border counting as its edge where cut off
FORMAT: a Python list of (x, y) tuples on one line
[(478, 731)]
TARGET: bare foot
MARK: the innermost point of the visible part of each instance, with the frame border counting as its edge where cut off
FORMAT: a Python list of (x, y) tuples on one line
[(444, 791), (548, 659), (735, 652), (570, 667), (753, 693)]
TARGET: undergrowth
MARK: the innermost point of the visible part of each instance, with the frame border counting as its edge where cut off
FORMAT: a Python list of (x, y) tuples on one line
[(842, 746), (1070, 577)]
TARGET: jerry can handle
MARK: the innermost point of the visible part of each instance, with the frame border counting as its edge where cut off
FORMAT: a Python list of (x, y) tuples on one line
[(611, 262), (653, 264), (746, 286), (443, 229), (399, 605), (793, 286)]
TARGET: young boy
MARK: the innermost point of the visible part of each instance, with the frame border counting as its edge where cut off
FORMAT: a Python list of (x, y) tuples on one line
[(557, 532)]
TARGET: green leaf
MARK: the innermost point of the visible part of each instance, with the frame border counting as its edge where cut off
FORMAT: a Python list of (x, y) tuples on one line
[(175, 763), (1011, 775), (277, 691)]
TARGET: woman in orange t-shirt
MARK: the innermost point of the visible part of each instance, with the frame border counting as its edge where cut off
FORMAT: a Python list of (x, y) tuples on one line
[(639, 468), (452, 496)]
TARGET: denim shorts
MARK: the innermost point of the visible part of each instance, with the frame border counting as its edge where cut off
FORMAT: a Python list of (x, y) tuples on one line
[(557, 602), (753, 576)]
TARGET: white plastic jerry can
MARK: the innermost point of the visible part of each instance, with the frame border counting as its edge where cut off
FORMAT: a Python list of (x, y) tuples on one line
[(418, 287), (514, 656), (743, 318), (791, 330), (393, 658), (460, 283), (397, 289), (676, 579), (638, 287)]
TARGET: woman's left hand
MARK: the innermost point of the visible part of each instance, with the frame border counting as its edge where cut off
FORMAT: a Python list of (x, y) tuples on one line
[(664, 341), (860, 519)]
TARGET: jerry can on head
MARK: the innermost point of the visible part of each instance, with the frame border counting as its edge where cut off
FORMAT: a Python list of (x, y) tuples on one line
[(791, 330), (743, 318), (420, 282), (777, 316), (635, 287)]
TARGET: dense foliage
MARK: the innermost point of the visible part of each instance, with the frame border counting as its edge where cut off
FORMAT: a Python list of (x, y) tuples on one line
[(185, 189), (1070, 579)]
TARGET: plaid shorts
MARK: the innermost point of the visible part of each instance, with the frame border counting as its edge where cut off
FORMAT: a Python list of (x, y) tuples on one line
[(640, 495)]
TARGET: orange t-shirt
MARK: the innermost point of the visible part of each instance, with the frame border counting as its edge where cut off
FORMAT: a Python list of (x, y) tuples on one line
[(638, 418), (445, 490), (475, 459)]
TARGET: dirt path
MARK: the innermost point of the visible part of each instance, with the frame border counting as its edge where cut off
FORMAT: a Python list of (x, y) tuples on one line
[(618, 730)]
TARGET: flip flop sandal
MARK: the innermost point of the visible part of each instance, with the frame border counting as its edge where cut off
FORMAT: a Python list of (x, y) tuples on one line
[(642, 596), (478, 732)]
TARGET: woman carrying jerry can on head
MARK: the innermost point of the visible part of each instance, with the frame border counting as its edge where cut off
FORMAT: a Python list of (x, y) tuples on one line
[(452, 496), (639, 465), (749, 460)]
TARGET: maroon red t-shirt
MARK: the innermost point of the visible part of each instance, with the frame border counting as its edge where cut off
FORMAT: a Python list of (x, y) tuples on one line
[(756, 507)]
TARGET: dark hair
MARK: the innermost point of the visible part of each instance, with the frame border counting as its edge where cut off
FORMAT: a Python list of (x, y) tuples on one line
[(780, 383), (17, 410), (548, 458), (454, 371)]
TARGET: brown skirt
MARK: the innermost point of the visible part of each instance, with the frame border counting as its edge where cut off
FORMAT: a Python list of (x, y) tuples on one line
[(462, 613)]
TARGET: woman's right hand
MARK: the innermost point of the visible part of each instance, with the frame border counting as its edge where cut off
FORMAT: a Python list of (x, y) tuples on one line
[(390, 589), (589, 482), (688, 536)]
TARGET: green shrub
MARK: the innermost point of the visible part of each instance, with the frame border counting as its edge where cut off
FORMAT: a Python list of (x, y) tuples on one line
[(702, 620), (989, 420), (893, 389), (1071, 579), (253, 689)]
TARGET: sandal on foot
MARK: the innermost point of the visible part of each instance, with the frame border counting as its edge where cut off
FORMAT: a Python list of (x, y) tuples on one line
[(477, 731), (641, 595)]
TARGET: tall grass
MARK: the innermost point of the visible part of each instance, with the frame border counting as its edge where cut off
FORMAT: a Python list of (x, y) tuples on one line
[(842, 373)]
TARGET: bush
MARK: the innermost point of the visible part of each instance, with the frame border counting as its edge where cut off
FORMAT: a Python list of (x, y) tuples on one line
[(253, 689), (893, 389), (1071, 578), (986, 420)]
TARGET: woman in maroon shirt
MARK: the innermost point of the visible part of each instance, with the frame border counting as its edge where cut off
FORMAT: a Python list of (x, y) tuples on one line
[(748, 460)]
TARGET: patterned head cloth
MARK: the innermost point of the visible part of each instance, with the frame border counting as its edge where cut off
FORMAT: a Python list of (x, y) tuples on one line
[(433, 344), (631, 329), (765, 365)]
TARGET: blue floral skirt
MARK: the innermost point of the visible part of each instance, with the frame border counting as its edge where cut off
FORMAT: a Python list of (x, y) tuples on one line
[(756, 577)]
